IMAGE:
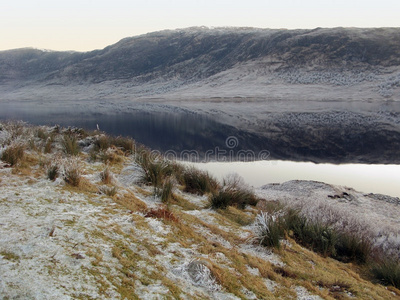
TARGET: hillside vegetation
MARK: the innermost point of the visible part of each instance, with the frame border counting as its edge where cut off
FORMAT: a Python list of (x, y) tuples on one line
[(231, 61), (88, 216)]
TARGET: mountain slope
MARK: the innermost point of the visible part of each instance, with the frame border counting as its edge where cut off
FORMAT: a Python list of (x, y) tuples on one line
[(169, 60)]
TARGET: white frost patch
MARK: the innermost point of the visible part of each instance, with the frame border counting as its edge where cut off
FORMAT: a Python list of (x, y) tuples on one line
[(303, 294), (151, 291), (261, 252), (253, 271), (270, 284), (370, 215), (130, 175), (158, 227)]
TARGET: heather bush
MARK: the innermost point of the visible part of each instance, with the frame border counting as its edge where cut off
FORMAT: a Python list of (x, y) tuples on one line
[(162, 213)]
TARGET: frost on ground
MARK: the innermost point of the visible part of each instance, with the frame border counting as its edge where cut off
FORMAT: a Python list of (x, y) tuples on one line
[(59, 241), (372, 214)]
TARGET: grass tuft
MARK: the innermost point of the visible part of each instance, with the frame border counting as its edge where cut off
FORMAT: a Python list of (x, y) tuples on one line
[(155, 170), (110, 191), (72, 174), (198, 182), (387, 271), (233, 193), (13, 154), (70, 145), (106, 176), (53, 172), (166, 192), (270, 229)]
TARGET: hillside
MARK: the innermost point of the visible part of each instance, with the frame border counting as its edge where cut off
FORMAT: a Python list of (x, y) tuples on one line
[(80, 220), (223, 62)]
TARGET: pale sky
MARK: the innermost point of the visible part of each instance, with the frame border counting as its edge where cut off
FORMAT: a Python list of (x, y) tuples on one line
[(84, 25)]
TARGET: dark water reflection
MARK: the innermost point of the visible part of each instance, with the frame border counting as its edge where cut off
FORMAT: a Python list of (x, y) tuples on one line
[(192, 136), (182, 134)]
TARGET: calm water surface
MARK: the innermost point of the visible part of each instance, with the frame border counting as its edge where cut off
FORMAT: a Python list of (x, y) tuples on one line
[(383, 179), (175, 132)]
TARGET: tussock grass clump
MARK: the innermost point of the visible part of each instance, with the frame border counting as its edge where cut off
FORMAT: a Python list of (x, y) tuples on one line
[(319, 237), (387, 271), (198, 182), (106, 176), (41, 134), (111, 155), (166, 192), (102, 143), (232, 197), (53, 172), (126, 144), (72, 173), (155, 168), (233, 193), (353, 248), (13, 154), (270, 229), (70, 145), (108, 190), (157, 171)]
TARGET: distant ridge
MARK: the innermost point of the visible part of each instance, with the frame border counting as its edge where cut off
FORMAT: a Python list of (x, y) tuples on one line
[(170, 60)]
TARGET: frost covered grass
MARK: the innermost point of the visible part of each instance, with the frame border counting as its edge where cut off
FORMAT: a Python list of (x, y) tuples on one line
[(277, 222), (106, 176), (322, 238), (70, 144), (13, 154), (58, 240), (72, 172)]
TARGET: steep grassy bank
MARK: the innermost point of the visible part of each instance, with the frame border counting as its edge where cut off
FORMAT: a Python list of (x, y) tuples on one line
[(88, 216)]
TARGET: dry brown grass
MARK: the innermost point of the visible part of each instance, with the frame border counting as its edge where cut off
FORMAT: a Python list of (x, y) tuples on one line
[(106, 176), (183, 203), (13, 154), (130, 201)]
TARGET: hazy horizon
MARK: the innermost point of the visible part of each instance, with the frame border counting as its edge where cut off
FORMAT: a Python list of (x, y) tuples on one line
[(172, 29), (88, 25)]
